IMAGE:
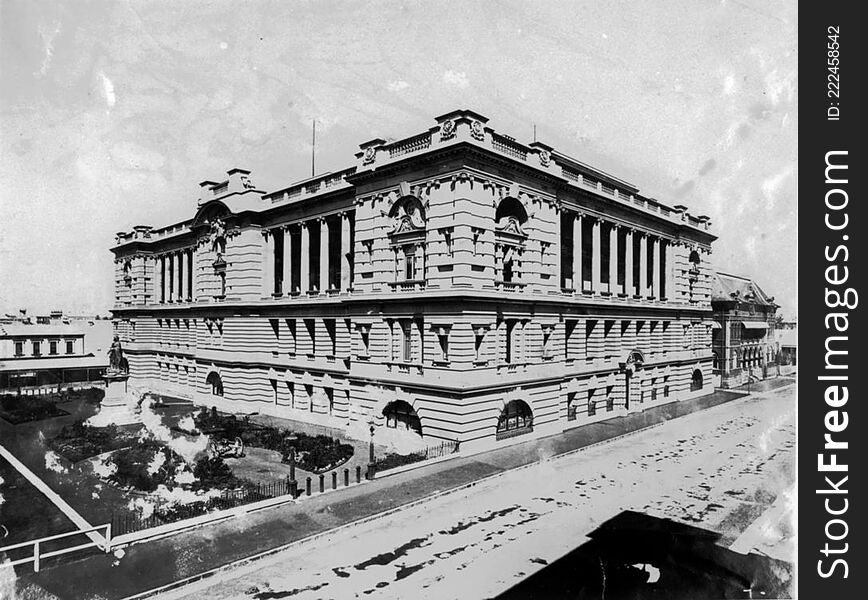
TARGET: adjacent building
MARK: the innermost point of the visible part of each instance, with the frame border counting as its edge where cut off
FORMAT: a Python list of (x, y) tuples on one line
[(743, 338), (456, 284), (52, 352)]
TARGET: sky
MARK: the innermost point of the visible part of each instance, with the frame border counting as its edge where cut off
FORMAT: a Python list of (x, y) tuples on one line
[(111, 113)]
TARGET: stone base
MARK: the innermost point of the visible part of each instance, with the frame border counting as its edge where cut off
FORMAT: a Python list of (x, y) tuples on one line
[(119, 406)]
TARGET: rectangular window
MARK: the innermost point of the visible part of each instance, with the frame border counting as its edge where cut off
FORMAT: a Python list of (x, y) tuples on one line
[(310, 325), (52, 347), (365, 335), (37, 349), (290, 387), (330, 326), (274, 389), (443, 339), (479, 338), (592, 405), (293, 339), (610, 398), (407, 354), (69, 346), (308, 388), (330, 394), (571, 406), (409, 266), (508, 353), (19, 348), (447, 239)]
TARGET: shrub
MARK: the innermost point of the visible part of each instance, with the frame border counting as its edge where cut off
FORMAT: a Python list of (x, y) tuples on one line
[(79, 441), (133, 463), (22, 409), (214, 473), (313, 452), (392, 460)]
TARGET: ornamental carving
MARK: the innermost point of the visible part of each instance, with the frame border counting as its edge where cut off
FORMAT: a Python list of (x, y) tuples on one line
[(476, 131), (370, 156), (447, 130), (407, 214), (545, 158)]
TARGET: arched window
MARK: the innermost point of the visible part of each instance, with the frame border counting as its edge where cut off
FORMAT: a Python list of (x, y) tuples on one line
[(694, 261), (696, 381), (515, 419), (714, 362), (215, 382), (400, 415)]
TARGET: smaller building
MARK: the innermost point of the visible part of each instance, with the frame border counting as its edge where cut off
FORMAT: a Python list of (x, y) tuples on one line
[(787, 339), (743, 341), (54, 353)]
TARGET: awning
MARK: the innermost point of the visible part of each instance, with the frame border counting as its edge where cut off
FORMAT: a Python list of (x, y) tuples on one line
[(712, 324), (755, 325)]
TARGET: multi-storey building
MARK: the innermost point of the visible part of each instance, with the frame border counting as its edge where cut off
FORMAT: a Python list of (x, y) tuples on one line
[(39, 357), (456, 283), (743, 339)]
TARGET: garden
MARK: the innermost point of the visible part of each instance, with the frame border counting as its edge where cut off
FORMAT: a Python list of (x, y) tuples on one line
[(178, 463)]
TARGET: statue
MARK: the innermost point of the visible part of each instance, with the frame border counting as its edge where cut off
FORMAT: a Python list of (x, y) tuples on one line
[(117, 361)]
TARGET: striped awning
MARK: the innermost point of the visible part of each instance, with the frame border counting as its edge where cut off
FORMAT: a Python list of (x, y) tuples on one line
[(755, 325)]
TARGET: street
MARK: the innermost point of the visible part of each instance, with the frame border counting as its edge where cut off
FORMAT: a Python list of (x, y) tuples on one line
[(717, 469)]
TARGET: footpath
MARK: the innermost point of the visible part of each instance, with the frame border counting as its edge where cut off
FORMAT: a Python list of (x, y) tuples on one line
[(147, 569)]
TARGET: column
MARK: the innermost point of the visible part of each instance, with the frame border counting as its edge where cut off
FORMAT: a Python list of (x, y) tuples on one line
[(629, 287), (655, 274), (191, 280), (323, 255), (171, 277), (345, 252), (613, 259), (596, 256), (577, 253), (643, 264), (268, 264), (287, 262), (181, 272), (159, 266), (305, 257), (670, 271)]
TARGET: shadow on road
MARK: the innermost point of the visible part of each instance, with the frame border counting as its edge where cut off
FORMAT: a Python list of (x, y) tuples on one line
[(634, 556)]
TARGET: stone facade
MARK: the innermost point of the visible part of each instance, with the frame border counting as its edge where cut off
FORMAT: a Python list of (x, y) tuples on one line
[(743, 339), (456, 281)]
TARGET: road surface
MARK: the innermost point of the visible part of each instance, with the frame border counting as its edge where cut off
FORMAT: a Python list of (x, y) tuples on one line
[(718, 469)]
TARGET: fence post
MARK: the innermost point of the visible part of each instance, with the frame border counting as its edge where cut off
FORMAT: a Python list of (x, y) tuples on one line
[(346, 477), (358, 474), (321, 483), (307, 486), (36, 557)]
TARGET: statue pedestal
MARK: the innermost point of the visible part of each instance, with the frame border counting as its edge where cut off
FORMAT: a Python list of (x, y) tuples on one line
[(119, 406)]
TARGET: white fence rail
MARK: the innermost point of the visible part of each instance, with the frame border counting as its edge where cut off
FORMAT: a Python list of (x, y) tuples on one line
[(104, 544)]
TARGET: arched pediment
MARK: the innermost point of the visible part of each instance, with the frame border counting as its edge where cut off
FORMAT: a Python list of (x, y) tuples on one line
[(407, 214), (210, 212)]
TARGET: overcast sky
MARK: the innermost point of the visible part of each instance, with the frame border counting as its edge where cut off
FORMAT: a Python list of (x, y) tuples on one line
[(112, 112)]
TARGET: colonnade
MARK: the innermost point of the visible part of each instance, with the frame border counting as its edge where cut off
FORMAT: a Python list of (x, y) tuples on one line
[(173, 274), (279, 263), (655, 254)]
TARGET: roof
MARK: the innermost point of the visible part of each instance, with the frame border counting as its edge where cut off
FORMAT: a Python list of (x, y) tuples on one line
[(728, 287), (54, 329), (37, 364)]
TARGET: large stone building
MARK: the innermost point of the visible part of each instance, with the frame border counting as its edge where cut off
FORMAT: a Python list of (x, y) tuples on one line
[(743, 339), (456, 283)]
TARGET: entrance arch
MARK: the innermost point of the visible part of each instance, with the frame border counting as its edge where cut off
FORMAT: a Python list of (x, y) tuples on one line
[(516, 418), (400, 415), (215, 382), (696, 381)]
